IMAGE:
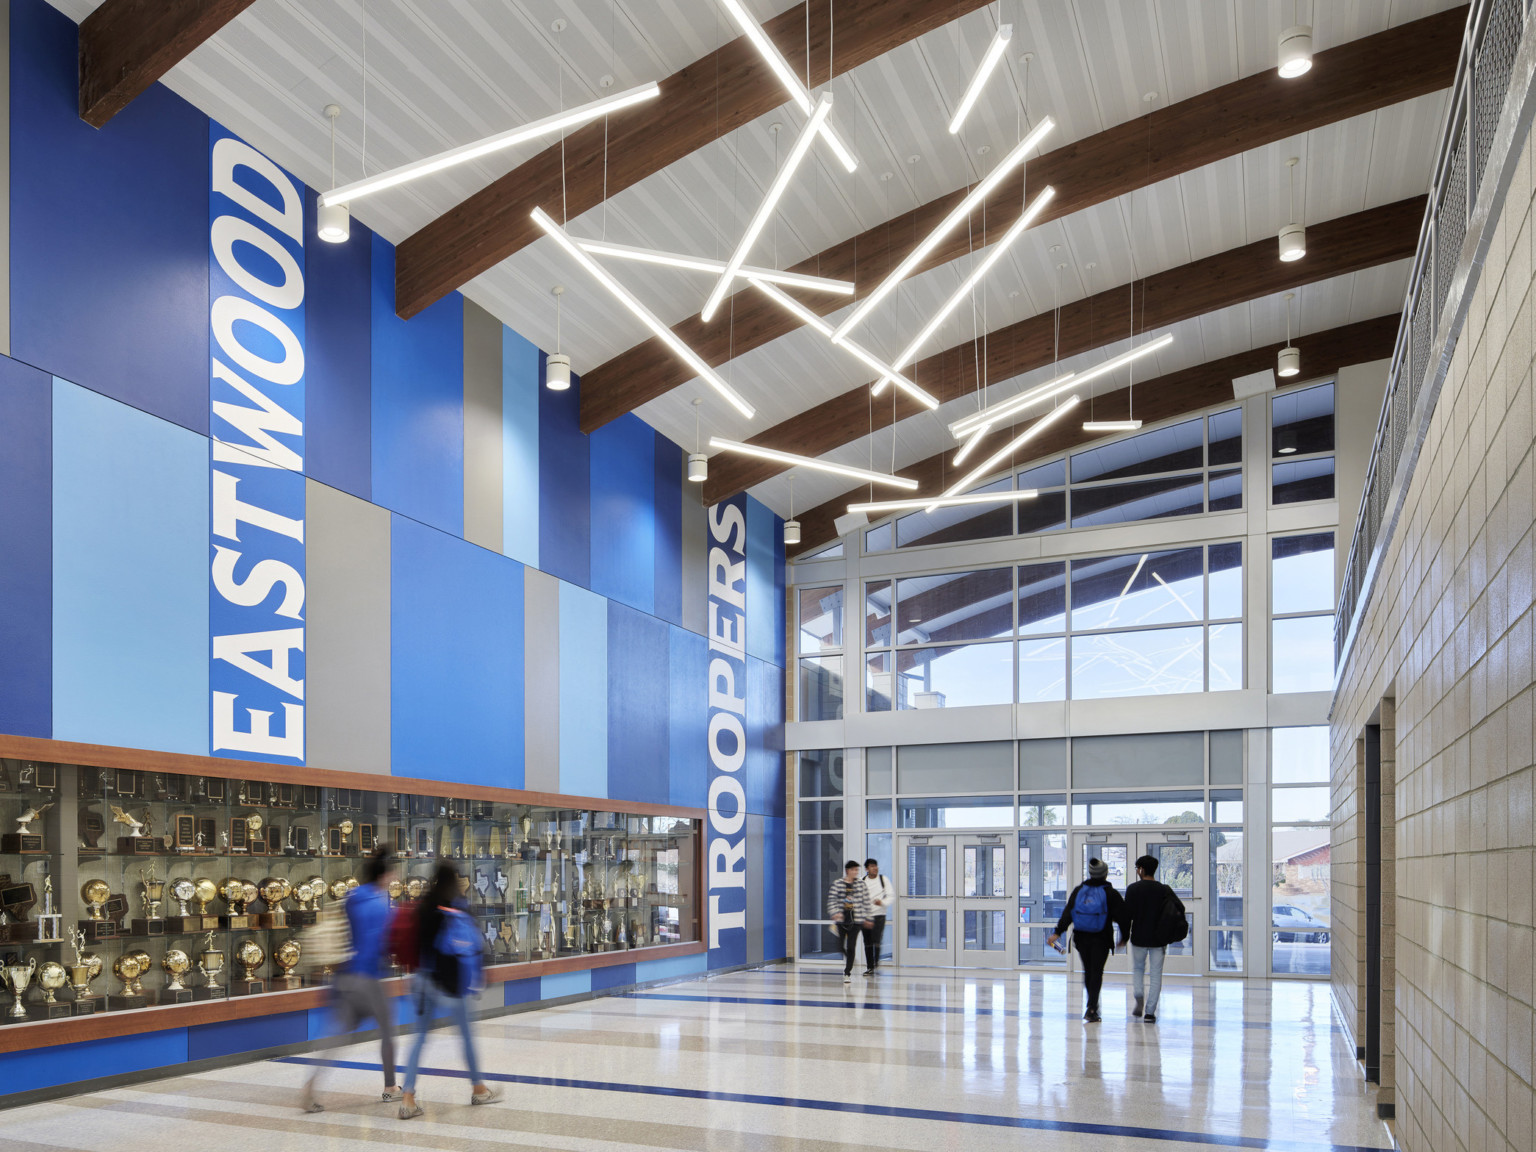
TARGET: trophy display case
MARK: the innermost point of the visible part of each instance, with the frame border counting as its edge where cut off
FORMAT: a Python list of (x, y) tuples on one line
[(127, 888)]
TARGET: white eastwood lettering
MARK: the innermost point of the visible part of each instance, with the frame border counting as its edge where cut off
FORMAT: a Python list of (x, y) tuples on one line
[(719, 757), (723, 859), (227, 310), (727, 786), (258, 424), (230, 155), (231, 230), (229, 512), (277, 643), (258, 737), (264, 576)]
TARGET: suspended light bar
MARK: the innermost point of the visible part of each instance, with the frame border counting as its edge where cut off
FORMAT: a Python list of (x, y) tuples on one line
[(995, 52), (681, 350), (467, 152), (811, 462), (965, 449), (1111, 425), (1011, 447), (931, 241), (705, 264), (806, 316), (994, 254), (792, 83), (880, 506), (1023, 400), (770, 201)]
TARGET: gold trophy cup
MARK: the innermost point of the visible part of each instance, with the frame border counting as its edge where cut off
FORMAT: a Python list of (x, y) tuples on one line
[(18, 976), (176, 964), (274, 890), (182, 890), (50, 978), (95, 893), (286, 957), (144, 966), (210, 963), (126, 969), (204, 891)]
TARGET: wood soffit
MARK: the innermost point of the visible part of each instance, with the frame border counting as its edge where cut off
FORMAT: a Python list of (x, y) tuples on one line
[(1350, 80), (1163, 398), (710, 98), (1335, 248)]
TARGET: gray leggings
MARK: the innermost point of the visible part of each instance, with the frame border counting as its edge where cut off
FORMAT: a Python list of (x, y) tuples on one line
[(357, 998)]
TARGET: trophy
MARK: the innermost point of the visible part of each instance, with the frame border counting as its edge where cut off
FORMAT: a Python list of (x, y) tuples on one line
[(50, 978), (493, 843), (250, 957), (126, 969), (50, 924), (95, 893), (144, 965), (181, 891), (232, 892), (97, 927), (248, 890), (210, 962), (204, 891), (24, 840), (395, 889), (18, 976), (316, 891), (274, 890), (176, 964), (338, 890), (304, 915), (414, 887), (254, 843), (87, 967), (152, 893), (286, 957)]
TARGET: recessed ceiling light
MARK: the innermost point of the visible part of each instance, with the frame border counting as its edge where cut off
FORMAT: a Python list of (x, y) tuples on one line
[(605, 81)]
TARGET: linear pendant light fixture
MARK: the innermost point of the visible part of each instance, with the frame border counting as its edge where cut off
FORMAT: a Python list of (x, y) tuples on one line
[(792, 83), (1111, 425), (958, 213), (793, 460), (1009, 497), (467, 152), (997, 412), (705, 264), (770, 201), (975, 439), (809, 318), (681, 350), (995, 52), (1008, 449), (995, 253)]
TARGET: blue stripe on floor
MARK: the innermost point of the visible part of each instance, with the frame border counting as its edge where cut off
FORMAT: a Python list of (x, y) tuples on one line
[(1078, 1127), (977, 1010)]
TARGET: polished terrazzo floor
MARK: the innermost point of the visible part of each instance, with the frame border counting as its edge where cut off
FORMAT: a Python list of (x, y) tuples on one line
[(787, 1058)]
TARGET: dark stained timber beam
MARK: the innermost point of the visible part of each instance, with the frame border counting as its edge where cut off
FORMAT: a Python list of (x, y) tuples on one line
[(1335, 248), (126, 45), (710, 98), (1164, 398), (1350, 80)]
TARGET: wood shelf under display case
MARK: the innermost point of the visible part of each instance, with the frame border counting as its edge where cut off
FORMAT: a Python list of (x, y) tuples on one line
[(556, 883)]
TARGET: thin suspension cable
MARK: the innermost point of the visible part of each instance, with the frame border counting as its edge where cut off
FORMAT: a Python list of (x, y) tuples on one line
[(364, 8)]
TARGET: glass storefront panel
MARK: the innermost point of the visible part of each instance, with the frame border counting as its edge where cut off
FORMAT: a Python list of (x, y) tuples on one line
[(821, 772), (927, 928), (1138, 808), (1155, 662), (1226, 950), (1299, 755), (1301, 653), (877, 814), (1226, 880), (1224, 658), (1042, 811), (1300, 889), (1298, 481), (821, 815), (986, 930), (955, 676), (954, 606), (953, 525), (1301, 421), (983, 871), (879, 689), (821, 688), (927, 870), (821, 619), (1042, 670), (820, 863), (1225, 582), (877, 613), (1226, 805), (1226, 491), (1138, 589), (955, 812), (1290, 804), (1301, 573), (1042, 598), (1138, 500), (1168, 449)]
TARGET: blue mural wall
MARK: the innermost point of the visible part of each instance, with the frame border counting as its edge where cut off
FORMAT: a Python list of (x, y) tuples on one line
[(123, 283)]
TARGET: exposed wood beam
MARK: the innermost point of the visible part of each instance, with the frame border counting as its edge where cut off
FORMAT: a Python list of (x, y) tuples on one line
[(710, 98), (1346, 81), (1163, 398), (126, 45), (1335, 248)]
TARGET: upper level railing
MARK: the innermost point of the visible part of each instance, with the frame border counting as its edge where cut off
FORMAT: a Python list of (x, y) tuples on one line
[(1481, 141)]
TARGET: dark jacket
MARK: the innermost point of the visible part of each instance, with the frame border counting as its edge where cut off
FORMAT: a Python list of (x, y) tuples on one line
[(443, 970), (1116, 915), (1144, 901)]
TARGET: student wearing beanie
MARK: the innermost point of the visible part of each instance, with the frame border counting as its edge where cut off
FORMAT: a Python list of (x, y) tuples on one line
[(1093, 911)]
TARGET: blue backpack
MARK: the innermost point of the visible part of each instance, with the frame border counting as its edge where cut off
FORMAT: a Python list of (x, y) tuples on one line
[(1090, 912), (458, 967)]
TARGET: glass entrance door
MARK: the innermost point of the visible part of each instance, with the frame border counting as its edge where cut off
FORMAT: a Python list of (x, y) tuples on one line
[(1043, 890), (1179, 855), (955, 900)]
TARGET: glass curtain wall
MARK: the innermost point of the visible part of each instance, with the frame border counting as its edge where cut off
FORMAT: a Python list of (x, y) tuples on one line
[(1300, 854), (819, 859), (1301, 579)]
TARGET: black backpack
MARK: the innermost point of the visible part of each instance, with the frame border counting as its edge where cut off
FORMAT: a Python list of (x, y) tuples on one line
[(1172, 923)]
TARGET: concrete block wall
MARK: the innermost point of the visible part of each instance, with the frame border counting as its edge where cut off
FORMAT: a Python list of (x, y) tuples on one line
[(1448, 636)]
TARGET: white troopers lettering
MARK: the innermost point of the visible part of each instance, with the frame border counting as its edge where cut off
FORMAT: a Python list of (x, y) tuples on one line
[(256, 398), (726, 868)]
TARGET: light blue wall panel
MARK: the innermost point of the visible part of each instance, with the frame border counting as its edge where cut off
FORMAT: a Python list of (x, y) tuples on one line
[(565, 984), (624, 512), (130, 576), (418, 403), (456, 659), (672, 968), (765, 601), (687, 719), (519, 448), (583, 692)]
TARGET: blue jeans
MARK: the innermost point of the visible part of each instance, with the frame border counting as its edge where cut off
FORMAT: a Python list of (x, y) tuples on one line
[(1139, 963), (426, 996)]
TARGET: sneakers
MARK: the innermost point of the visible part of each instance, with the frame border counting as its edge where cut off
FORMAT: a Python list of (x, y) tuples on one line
[(308, 1103), (410, 1111), (869, 971), (489, 1096), (1091, 1016), (847, 977), (1136, 1009), (1149, 1018), (393, 1094)]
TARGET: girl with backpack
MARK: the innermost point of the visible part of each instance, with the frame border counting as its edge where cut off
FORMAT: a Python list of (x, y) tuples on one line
[(449, 972), (1093, 911)]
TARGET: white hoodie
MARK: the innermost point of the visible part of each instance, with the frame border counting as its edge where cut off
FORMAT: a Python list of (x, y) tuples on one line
[(881, 895)]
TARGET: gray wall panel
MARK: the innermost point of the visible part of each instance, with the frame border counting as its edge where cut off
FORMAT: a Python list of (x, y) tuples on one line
[(347, 618), (541, 681), (756, 888), (482, 427), (695, 556)]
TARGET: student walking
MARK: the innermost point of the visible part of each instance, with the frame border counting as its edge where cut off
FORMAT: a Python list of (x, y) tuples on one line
[(1093, 912), (848, 905), (358, 992), (882, 898), (449, 953), (1156, 913)]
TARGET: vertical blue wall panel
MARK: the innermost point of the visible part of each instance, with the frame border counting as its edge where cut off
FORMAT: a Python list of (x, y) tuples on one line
[(338, 357), (775, 942), (639, 664), (110, 1056), (669, 529), (521, 371), (26, 551), (565, 487), (623, 456), (687, 720), (456, 659), (583, 692), (418, 403), (130, 576), (765, 591), (109, 231), (763, 773)]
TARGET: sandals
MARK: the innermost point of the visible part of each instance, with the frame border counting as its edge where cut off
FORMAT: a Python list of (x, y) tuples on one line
[(410, 1111), (489, 1096)]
